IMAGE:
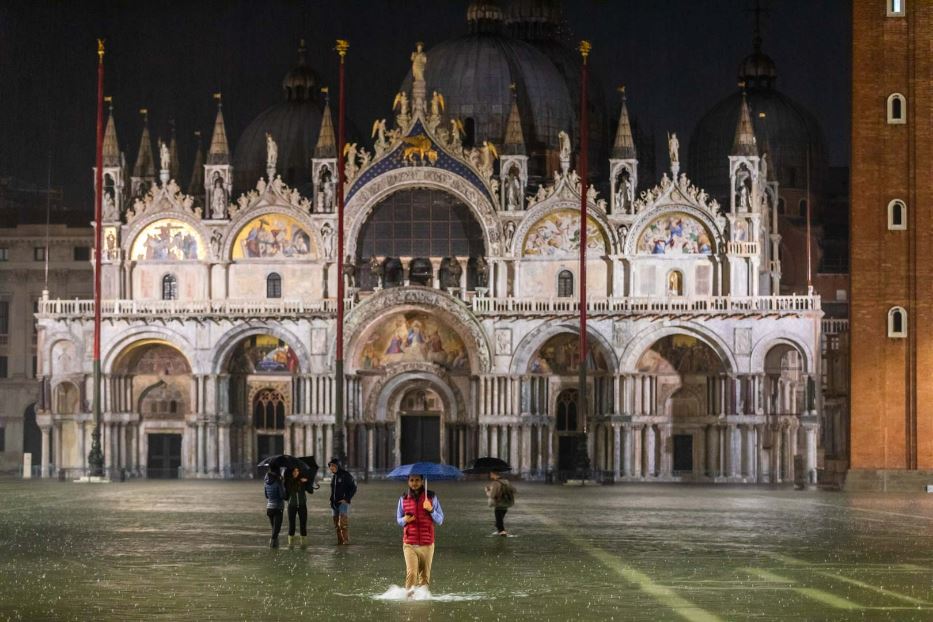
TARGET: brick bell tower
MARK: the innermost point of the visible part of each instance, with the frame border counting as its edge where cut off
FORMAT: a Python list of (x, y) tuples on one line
[(891, 237)]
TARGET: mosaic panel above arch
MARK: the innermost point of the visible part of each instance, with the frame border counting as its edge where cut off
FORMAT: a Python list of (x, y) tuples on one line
[(561, 355), (168, 239), (275, 236), (412, 337), (558, 234), (680, 355), (263, 354), (675, 233)]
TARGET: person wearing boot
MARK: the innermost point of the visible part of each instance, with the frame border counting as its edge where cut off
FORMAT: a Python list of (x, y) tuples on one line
[(342, 489), (297, 508), (275, 504)]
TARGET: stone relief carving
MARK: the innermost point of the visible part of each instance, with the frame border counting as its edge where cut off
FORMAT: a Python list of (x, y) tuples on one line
[(503, 341), (165, 198)]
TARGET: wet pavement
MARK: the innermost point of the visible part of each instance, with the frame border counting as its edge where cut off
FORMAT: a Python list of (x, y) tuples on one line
[(199, 551)]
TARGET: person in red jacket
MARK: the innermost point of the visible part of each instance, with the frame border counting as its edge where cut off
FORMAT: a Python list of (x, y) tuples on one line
[(418, 511)]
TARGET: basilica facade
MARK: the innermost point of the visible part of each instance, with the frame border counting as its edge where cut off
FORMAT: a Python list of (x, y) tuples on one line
[(462, 304)]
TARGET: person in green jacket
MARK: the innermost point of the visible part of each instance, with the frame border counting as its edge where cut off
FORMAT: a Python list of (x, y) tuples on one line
[(296, 487)]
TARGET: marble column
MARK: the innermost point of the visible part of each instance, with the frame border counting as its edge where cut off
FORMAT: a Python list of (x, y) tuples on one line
[(650, 450), (628, 467), (46, 452), (712, 451), (616, 451)]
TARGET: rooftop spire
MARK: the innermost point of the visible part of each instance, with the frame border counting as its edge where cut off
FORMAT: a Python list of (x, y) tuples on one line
[(745, 143), (514, 143), (624, 146), (145, 163), (196, 186), (326, 143), (111, 146), (219, 152)]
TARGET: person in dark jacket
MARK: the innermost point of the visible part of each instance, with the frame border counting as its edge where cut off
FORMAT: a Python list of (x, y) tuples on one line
[(501, 495), (275, 504), (342, 489), (296, 487), (417, 512)]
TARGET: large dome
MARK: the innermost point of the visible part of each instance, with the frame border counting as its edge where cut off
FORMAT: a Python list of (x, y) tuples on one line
[(474, 73), (294, 125), (783, 129)]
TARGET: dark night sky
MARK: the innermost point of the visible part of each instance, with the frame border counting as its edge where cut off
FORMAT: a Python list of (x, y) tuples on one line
[(677, 58)]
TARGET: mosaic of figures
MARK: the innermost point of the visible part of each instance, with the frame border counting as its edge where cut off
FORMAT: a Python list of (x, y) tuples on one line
[(675, 234), (167, 239), (561, 355), (272, 235), (558, 233), (263, 354), (679, 355), (413, 337)]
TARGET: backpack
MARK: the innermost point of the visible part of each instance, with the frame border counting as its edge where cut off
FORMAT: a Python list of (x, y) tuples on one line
[(507, 495)]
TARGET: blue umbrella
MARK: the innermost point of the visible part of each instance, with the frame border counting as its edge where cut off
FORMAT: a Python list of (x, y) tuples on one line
[(427, 470)]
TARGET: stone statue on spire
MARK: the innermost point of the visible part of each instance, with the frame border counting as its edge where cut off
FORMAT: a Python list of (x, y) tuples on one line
[(272, 152), (164, 157), (418, 60), (673, 148)]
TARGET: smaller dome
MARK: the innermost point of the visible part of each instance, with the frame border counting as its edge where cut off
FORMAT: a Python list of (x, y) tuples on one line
[(483, 13), (757, 70), (300, 82)]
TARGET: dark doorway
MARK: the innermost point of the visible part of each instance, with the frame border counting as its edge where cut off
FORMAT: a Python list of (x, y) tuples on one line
[(32, 436), (164, 456), (269, 445), (569, 447), (569, 451), (421, 438), (683, 453)]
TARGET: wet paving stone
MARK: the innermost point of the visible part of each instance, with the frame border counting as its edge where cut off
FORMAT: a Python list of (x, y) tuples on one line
[(198, 550)]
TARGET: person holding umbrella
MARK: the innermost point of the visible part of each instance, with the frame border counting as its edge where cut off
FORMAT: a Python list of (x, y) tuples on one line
[(342, 489), (499, 492), (501, 495), (275, 503), (418, 511)]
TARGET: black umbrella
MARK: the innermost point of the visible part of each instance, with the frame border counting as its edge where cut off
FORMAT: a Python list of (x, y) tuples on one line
[(488, 465), (284, 461), (313, 468)]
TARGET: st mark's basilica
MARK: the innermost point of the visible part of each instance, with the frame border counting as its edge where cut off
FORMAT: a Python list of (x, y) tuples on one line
[(461, 272)]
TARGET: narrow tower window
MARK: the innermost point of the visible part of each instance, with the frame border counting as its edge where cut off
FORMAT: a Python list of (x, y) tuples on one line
[(565, 284), (273, 286), (895, 8), (897, 215), (897, 109), (169, 287), (897, 323)]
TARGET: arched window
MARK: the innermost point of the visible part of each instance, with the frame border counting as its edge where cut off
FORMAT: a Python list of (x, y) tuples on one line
[(273, 286), (169, 287), (896, 8), (897, 109), (897, 323), (567, 411), (802, 207), (269, 411), (565, 284), (897, 215), (675, 283)]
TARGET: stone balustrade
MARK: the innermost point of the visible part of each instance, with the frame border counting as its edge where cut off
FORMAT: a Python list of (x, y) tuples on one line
[(481, 306)]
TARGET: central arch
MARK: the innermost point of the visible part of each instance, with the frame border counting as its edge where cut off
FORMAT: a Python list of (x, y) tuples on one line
[(363, 201)]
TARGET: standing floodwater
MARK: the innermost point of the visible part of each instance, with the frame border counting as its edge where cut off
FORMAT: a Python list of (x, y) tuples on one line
[(153, 550)]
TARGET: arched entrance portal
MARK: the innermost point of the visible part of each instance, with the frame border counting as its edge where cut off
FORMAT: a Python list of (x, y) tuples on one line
[(569, 435), (420, 413), (32, 438), (269, 421), (263, 370)]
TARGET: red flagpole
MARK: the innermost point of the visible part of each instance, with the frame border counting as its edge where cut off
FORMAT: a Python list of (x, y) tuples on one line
[(96, 456), (583, 459), (339, 441)]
